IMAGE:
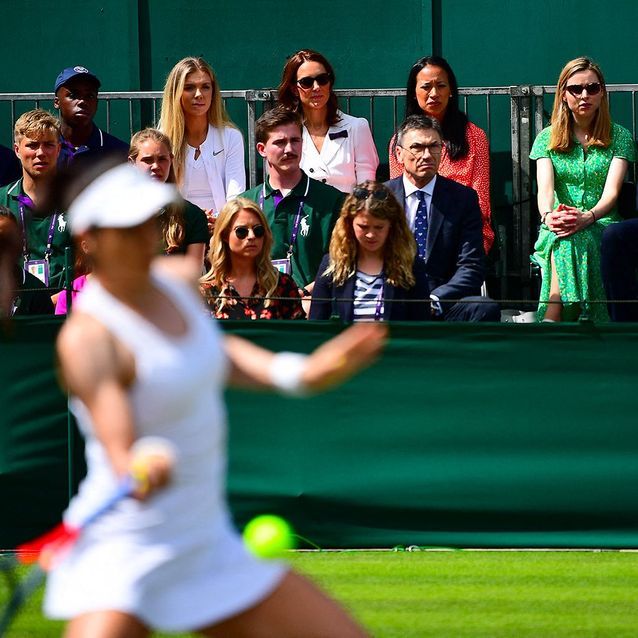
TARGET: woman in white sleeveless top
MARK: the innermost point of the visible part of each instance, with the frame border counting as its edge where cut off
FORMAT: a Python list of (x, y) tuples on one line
[(141, 357)]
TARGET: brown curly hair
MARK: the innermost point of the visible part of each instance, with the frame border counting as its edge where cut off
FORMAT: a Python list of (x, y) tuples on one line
[(399, 249)]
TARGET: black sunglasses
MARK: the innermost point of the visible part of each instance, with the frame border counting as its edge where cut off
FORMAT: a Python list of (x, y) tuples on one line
[(593, 88), (380, 194), (241, 232), (308, 82)]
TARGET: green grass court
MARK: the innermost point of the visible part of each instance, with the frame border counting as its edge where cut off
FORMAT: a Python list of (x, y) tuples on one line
[(462, 593)]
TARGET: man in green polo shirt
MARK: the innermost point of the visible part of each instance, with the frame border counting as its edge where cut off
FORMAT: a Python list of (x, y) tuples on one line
[(301, 211), (44, 233)]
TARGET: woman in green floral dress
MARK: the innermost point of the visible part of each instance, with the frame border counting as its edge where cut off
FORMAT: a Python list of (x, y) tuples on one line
[(582, 158)]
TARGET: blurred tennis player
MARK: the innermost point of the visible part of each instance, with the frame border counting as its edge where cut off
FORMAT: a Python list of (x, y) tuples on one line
[(140, 357)]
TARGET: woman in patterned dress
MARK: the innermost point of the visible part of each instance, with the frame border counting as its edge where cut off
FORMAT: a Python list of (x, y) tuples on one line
[(432, 90), (242, 282), (582, 158)]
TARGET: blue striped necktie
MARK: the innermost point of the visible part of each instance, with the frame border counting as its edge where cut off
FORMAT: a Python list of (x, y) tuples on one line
[(421, 225)]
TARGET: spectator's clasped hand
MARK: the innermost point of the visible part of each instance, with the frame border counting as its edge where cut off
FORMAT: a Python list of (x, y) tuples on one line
[(568, 220)]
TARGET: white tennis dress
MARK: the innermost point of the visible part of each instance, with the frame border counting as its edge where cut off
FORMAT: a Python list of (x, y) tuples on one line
[(174, 561)]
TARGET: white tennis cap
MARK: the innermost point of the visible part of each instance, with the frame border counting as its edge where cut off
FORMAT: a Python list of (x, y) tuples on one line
[(122, 197)]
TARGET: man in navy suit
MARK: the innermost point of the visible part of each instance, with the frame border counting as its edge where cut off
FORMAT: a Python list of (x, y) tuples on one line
[(446, 221)]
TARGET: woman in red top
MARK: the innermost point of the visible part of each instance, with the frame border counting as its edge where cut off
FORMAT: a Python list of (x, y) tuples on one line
[(432, 89)]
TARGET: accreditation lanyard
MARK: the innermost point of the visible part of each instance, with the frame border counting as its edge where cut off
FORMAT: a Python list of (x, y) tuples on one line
[(25, 201), (297, 222), (379, 307)]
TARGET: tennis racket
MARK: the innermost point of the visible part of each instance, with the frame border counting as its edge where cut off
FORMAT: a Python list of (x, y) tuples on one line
[(45, 551)]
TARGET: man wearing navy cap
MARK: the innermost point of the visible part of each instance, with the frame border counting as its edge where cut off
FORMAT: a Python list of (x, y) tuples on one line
[(76, 90)]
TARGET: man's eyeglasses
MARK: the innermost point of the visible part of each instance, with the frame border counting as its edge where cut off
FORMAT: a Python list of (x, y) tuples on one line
[(593, 88), (381, 194), (308, 81), (418, 150), (241, 232)]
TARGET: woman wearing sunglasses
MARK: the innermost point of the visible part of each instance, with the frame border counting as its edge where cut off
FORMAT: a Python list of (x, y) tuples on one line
[(582, 158), (432, 90), (338, 149), (242, 282), (371, 272)]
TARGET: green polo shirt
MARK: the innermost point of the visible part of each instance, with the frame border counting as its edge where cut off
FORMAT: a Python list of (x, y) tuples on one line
[(320, 210), (37, 232)]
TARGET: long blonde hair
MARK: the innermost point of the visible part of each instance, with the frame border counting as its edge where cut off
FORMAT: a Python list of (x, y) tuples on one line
[(220, 256), (172, 219), (399, 249), (172, 120), (562, 119)]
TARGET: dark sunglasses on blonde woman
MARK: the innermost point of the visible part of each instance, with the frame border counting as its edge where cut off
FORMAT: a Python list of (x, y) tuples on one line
[(593, 88), (241, 232), (308, 81)]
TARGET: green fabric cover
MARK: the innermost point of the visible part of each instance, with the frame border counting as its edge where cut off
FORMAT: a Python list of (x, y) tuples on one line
[(461, 435)]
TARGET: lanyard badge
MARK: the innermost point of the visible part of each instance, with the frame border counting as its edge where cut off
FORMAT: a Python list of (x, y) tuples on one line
[(37, 267), (285, 265)]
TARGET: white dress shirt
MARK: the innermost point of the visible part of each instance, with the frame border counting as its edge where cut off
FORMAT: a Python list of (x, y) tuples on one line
[(411, 202)]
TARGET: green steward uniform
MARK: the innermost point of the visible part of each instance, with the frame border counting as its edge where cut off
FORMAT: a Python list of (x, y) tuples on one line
[(37, 230), (320, 208)]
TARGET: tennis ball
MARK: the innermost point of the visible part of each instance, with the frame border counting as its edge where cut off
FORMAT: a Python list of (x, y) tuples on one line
[(269, 536), (145, 450)]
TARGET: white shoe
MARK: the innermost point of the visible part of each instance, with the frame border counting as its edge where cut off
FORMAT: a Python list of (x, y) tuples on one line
[(526, 317), (517, 316)]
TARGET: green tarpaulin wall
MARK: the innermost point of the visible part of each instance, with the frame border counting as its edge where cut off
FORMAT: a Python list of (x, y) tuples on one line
[(461, 435)]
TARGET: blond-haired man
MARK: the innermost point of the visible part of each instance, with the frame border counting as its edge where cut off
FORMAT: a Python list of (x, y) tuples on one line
[(44, 232)]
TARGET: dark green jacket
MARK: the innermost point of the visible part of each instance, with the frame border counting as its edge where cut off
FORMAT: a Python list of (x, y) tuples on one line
[(37, 231)]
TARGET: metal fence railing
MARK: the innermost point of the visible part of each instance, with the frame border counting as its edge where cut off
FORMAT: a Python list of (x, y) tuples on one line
[(511, 116)]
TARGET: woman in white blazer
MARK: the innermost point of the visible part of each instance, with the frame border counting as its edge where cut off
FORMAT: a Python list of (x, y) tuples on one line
[(208, 149), (338, 149)]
